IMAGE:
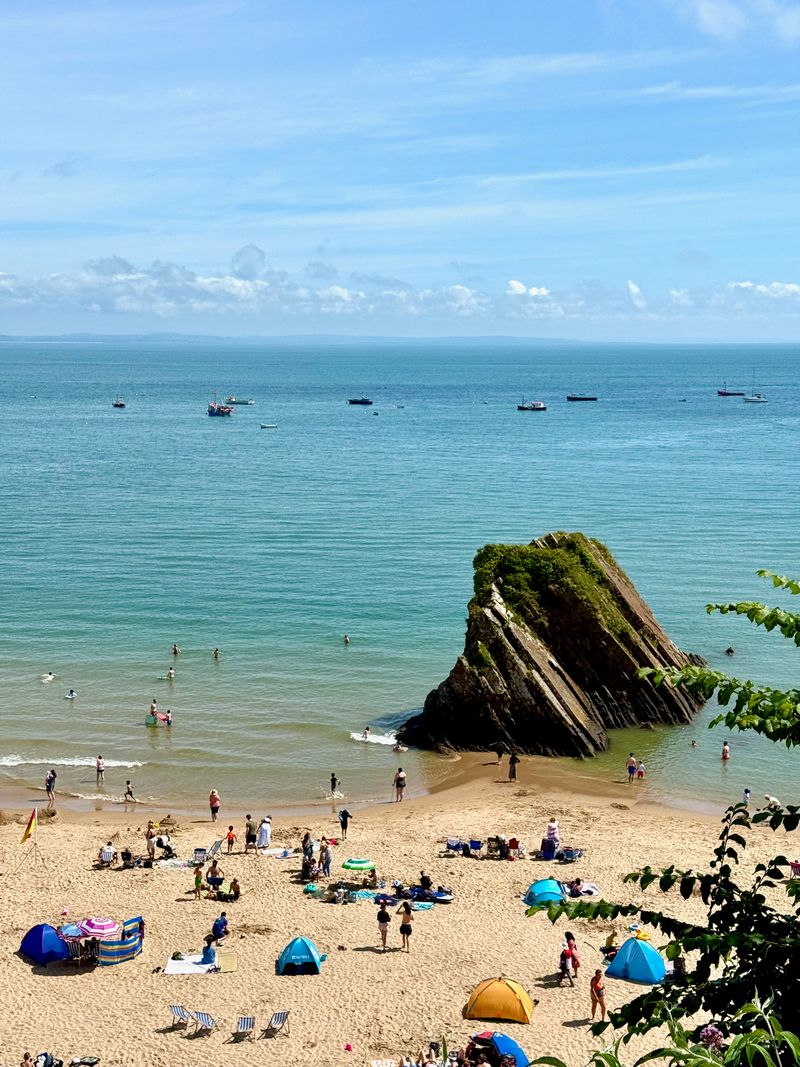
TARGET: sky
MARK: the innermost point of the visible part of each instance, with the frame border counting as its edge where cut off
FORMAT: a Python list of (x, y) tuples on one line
[(598, 169)]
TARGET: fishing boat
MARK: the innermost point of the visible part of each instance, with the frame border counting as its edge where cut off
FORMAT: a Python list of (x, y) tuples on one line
[(269, 426), (362, 400), (577, 396), (725, 391), (118, 402), (233, 400), (532, 405), (756, 398), (215, 409)]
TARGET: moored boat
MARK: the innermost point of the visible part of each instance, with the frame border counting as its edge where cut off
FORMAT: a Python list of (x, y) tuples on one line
[(362, 400), (235, 400), (756, 398), (579, 396), (219, 409), (118, 402), (532, 405), (725, 391)]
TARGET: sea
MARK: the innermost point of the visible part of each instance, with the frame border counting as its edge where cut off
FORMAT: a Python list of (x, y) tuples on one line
[(125, 531)]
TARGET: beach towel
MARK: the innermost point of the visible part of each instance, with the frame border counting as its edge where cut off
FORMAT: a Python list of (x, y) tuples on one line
[(227, 962), (188, 965)]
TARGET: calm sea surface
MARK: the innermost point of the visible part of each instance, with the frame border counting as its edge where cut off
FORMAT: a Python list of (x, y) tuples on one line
[(123, 531)]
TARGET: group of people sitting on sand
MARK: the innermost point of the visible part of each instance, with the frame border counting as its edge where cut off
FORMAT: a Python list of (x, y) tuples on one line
[(214, 879), (474, 1054)]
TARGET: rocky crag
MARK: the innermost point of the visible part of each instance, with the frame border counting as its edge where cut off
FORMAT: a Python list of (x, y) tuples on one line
[(555, 636)]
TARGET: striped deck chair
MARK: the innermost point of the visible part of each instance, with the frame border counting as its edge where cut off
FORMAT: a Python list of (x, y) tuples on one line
[(76, 953), (245, 1028), (214, 849), (180, 1016), (278, 1022), (203, 1022), (106, 857)]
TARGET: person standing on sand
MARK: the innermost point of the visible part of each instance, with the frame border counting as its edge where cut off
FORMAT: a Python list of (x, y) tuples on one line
[(100, 770), (250, 834), (344, 819), (384, 918), (264, 833), (407, 918), (598, 992), (50, 786), (399, 784), (631, 766), (214, 803), (150, 839), (513, 760), (198, 880)]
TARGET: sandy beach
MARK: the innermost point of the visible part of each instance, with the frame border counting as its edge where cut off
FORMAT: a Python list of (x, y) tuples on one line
[(382, 1005)]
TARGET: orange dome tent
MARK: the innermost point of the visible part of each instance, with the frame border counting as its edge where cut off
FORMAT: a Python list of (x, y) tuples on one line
[(499, 998)]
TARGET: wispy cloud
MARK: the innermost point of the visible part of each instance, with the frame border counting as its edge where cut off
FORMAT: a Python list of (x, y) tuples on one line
[(731, 20), (602, 171), (676, 91)]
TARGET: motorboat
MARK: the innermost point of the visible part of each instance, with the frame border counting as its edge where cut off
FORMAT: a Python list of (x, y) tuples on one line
[(269, 426), (532, 405), (725, 391), (362, 400), (118, 402), (234, 400), (578, 396), (756, 398), (216, 409)]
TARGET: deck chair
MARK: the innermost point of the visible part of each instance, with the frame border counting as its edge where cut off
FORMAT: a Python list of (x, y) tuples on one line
[(76, 953), (106, 857), (214, 849), (278, 1022), (180, 1016), (475, 847), (199, 856), (203, 1021), (245, 1028), (492, 848), (454, 845)]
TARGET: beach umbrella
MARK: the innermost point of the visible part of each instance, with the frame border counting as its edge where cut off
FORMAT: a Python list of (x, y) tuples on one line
[(103, 929), (358, 865)]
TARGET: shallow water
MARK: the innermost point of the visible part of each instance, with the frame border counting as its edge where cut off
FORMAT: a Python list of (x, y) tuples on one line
[(127, 530)]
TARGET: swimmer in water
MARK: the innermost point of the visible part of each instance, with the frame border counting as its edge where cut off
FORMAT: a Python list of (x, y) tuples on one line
[(365, 735), (175, 650), (71, 695), (694, 743), (347, 639), (49, 677), (726, 750), (216, 653), (170, 674)]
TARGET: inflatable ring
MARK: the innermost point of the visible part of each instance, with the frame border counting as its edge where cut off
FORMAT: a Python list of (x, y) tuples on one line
[(358, 865)]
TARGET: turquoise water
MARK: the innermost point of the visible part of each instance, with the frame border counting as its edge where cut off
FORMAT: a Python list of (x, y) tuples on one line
[(124, 531)]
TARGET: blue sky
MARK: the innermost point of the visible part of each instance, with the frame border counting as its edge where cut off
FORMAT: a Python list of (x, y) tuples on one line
[(605, 169)]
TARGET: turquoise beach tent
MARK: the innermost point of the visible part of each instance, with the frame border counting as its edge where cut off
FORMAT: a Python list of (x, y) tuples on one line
[(300, 956), (43, 945), (545, 891), (637, 961)]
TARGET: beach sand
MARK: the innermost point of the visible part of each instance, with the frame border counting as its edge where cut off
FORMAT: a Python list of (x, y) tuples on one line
[(381, 1004)]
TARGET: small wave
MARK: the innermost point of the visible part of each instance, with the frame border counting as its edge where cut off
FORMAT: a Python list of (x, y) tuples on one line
[(102, 796), (73, 761), (375, 739)]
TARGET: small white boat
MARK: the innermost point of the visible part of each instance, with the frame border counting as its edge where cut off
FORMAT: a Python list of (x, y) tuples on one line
[(269, 426), (235, 400), (532, 405), (756, 398)]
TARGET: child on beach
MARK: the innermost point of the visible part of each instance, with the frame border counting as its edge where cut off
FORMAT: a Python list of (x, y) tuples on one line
[(198, 880), (50, 786), (344, 819), (746, 798), (230, 837), (640, 771), (129, 792)]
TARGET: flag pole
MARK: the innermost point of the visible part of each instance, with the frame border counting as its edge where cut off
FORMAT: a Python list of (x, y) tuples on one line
[(33, 852)]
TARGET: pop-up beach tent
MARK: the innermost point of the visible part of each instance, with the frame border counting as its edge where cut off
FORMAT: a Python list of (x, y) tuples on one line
[(545, 891), (43, 945), (502, 1045), (637, 961), (499, 998), (300, 957)]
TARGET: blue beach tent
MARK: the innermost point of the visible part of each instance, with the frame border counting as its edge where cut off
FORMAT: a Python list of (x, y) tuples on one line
[(637, 961), (503, 1045), (300, 957), (545, 891), (43, 945)]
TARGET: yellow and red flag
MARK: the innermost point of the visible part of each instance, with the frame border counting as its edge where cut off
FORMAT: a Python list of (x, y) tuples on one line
[(29, 829)]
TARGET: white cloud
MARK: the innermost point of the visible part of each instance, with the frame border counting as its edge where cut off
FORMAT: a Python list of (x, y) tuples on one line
[(730, 20), (637, 296), (680, 297), (516, 288), (773, 290)]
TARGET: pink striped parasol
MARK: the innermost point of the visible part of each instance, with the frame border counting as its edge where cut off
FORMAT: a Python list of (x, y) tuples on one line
[(103, 929)]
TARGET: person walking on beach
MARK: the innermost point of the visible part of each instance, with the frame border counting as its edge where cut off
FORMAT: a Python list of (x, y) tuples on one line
[(129, 792), (598, 993), (384, 918), (513, 760), (100, 770), (399, 784), (406, 919), (334, 784), (214, 803), (230, 837), (631, 766), (50, 786), (249, 834), (344, 819), (264, 833), (571, 944)]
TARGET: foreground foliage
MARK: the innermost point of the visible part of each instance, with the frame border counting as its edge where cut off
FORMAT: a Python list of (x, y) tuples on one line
[(748, 949)]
